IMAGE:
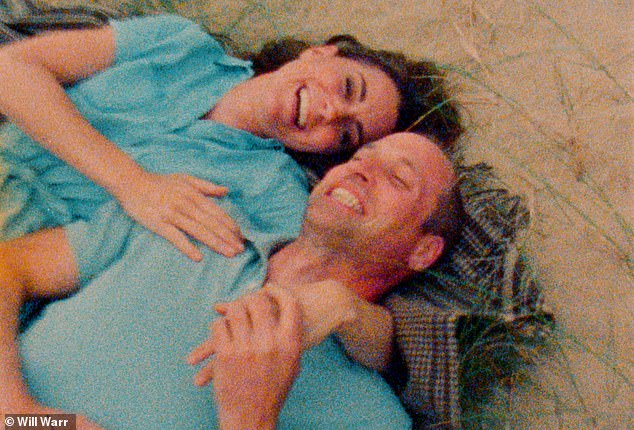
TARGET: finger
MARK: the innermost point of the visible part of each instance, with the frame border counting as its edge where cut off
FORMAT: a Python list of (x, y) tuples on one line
[(196, 194), (290, 317), (206, 187), (264, 314), (210, 210), (222, 339), (205, 375), (238, 321), (214, 220), (209, 238), (221, 308), (221, 334), (180, 241), (206, 211), (201, 352)]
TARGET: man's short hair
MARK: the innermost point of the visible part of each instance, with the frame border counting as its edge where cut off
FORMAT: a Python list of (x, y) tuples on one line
[(446, 218)]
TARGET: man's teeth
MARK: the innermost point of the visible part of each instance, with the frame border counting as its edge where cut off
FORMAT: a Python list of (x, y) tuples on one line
[(346, 198), (303, 108)]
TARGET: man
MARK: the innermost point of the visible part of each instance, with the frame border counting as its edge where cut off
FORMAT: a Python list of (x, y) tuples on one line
[(112, 350)]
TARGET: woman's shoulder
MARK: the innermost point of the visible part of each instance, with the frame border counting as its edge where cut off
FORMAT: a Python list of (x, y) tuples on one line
[(166, 21), (161, 34), (157, 28)]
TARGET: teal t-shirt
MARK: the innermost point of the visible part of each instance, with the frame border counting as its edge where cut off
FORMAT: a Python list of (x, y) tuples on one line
[(115, 350)]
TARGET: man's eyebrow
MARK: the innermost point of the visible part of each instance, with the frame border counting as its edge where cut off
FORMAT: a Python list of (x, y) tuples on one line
[(408, 163)]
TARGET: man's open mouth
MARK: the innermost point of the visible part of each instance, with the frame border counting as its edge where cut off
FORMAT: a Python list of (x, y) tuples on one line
[(347, 199), (302, 108)]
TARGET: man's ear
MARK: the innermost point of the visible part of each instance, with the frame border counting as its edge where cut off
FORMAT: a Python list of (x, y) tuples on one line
[(319, 51), (427, 251)]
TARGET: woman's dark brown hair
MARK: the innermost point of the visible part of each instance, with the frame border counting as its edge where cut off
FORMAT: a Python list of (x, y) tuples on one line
[(425, 106)]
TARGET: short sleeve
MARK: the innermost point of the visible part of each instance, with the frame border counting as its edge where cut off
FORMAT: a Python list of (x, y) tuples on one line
[(98, 242), (157, 34)]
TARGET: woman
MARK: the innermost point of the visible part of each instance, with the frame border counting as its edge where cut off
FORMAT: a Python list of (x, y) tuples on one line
[(137, 79)]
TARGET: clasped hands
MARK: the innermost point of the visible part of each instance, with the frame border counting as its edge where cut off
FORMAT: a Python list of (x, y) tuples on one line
[(254, 348)]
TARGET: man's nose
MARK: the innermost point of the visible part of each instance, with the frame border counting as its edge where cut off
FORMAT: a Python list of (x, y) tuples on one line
[(334, 111), (369, 169)]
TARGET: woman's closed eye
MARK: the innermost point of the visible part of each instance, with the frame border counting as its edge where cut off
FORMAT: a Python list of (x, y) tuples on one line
[(349, 88)]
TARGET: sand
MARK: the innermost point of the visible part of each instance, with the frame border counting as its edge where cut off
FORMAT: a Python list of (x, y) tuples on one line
[(546, 90)]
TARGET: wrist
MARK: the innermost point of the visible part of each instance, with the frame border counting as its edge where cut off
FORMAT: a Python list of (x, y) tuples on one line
[(120, 183), (249, 421)]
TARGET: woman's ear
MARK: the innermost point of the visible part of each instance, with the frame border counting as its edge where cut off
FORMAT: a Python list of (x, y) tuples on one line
[(427, 252), (319, 51)]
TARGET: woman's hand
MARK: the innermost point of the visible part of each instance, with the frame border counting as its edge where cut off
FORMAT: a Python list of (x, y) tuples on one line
[(176, 205)]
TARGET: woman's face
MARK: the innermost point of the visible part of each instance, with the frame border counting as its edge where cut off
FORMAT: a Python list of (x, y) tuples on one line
[(324, 103)]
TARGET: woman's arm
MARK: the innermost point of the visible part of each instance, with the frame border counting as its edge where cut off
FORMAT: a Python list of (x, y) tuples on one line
[(38, 265), (33, 72), (365, 329)]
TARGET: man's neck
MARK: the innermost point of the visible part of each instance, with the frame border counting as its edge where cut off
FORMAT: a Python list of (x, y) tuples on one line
[(302, 262)]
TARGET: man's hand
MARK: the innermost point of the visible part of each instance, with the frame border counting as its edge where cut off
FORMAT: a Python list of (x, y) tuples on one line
[(326, 306), (174, 206), (255, 349)]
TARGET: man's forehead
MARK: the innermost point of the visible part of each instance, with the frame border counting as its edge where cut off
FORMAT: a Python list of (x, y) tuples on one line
[(418, 153), (407, 146)]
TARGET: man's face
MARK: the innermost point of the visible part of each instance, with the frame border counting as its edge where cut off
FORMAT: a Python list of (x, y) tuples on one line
[(374, 205)]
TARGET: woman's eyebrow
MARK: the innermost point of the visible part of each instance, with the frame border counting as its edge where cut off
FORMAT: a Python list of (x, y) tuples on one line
[(364, 88)]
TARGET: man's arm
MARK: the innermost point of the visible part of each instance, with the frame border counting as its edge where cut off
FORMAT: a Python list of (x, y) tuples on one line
[(367, 337), (37, 265)]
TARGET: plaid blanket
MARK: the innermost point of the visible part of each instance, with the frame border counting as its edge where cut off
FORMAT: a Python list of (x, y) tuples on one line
[(443, 313), (20, 18)]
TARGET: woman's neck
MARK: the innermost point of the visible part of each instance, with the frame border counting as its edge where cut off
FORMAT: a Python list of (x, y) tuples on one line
[(237, 109)]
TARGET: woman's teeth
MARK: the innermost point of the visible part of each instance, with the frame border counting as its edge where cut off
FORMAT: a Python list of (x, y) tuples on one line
[(302, 109), (347, 199)]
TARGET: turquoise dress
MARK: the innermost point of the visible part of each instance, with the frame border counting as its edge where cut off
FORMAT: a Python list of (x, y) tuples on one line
[(167, 74)]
